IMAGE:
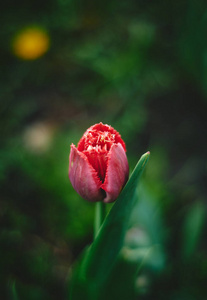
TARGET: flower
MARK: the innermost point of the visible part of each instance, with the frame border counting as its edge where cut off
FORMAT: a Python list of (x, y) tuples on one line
[(31, 43), (98, 167)]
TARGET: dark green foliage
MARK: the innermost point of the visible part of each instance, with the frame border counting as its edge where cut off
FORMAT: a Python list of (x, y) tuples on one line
[(141, 67)]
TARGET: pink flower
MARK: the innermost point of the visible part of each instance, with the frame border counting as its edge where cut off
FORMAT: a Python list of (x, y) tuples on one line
[(98, 167)]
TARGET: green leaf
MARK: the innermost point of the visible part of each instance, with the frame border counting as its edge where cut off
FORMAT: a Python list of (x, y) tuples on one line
[(99, 260), (192, 229), (12, 291)]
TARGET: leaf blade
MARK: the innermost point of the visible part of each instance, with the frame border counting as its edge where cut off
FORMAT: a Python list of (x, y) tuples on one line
[(111, 235)]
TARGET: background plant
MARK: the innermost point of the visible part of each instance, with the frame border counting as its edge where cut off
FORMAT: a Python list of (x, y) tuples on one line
[(139, 66)]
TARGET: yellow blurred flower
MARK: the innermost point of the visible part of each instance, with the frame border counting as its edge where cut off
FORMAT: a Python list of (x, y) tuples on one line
[(31, 43)]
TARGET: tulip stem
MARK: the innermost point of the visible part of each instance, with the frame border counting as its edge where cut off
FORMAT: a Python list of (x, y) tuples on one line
[(100, 212)]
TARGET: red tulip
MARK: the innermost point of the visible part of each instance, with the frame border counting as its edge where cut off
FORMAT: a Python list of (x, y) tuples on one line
[(98, 167)]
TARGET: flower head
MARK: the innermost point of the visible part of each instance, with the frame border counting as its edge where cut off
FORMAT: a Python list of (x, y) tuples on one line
[(98, 167), (31, 43)]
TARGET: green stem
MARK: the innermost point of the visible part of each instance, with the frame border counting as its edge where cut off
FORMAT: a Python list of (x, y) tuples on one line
[(100, 212)]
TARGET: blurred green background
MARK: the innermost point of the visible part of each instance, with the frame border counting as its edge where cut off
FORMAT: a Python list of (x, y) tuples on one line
[(140, 66)]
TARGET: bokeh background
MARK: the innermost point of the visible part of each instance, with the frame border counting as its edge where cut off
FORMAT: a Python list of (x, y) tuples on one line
[(140, 66)]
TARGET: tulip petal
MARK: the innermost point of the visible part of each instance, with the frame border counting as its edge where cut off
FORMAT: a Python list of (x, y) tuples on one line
[(83, 177), (117, 173)]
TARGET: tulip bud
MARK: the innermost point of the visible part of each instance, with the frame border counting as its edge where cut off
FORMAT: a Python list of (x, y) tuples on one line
[(98, 167)]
